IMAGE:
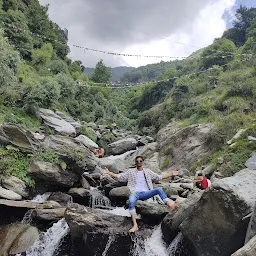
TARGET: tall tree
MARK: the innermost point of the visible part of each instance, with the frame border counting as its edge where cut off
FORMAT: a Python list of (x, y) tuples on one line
[(102, 73), (16, 29)]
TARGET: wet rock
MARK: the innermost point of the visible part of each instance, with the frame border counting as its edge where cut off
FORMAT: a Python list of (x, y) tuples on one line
[(48, 214), (171, 223), (62, 198), (92, 230), (152, 212), (17, 238), (220, 212), (119, 195)]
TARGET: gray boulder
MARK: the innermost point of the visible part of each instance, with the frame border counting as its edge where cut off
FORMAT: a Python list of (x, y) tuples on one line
[(220, 212), (15, 184), (93, 230), (51, 175), (181, 146), (9, 194), (122, 146), (56, 122), (17, 238)]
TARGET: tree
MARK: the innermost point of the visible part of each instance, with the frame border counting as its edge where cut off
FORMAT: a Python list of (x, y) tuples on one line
[(244, 17), (219, 53), (42, 57), (9, 61), (102, 73), (17, 31)]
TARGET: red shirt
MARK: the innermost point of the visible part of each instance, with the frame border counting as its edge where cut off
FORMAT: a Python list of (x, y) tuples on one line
[(204, 183)]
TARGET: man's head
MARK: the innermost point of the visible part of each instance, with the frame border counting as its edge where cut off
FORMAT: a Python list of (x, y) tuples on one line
[(139, 160)]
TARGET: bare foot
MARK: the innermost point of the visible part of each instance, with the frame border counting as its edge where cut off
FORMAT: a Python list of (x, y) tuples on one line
[(134, 229), (171, 205)]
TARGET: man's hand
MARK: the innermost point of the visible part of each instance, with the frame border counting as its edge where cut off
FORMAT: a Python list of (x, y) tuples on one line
[(105, 170)]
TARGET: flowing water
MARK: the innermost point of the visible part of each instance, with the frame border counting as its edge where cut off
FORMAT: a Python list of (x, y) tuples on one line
[(98, 200), (41, 198), (50, 241)]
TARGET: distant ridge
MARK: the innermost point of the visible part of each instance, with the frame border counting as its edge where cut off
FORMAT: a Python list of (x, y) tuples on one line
[(117, 72)]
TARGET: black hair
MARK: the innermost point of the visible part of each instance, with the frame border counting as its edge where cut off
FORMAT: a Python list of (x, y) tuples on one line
[(200, 174), (139, 157), (208, 176)]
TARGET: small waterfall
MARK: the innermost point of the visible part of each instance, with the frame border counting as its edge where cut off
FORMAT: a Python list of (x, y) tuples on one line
[(152, 246), (174, 244), (111, 239), (41, 198), (98, 200), (50, 241)]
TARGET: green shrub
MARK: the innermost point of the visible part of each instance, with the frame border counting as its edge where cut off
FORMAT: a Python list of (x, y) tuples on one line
[(87, 131), (14, 162)]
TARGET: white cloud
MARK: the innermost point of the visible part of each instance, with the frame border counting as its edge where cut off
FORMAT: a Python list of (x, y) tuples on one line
[(136, 27)]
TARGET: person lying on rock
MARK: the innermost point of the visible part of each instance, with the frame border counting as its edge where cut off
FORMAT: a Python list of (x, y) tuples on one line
[(139, 181), (202, 182)]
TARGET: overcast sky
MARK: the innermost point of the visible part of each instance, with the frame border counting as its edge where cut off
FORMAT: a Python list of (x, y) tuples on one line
[(148, 27)]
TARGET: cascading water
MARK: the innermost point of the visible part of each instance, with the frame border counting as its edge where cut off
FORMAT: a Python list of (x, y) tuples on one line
[(41, 198), (174, 244), (98, 200), (152, 246), (50, 241)]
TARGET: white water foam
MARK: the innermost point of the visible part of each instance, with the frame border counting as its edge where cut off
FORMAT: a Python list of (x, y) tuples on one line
[(111, 239), (50, 241), (152, 246), (174, 244), (41, 198)]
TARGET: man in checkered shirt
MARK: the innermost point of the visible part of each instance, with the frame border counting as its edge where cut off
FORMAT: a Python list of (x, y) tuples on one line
[(139, 181)]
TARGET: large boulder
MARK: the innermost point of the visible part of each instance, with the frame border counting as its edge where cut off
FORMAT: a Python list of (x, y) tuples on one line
[(62, 198), (17, 136), (183, 146), (123, 145), (171, 223), (68, 119), (15, 184), (77, 156), (56, 122), (92, 230), (17, 238), (87, 142), (51, 175), (220, 212)]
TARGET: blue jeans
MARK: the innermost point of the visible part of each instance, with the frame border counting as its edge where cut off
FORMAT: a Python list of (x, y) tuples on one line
[(144, 196)]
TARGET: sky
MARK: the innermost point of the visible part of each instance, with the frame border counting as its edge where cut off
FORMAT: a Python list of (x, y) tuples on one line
[(146, 27)]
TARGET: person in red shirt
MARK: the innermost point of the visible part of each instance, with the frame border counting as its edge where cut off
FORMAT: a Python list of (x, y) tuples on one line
[(202, 182)]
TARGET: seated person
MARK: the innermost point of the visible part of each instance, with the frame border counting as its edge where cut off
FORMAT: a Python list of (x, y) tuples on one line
[(202, 182), (99, 152)]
